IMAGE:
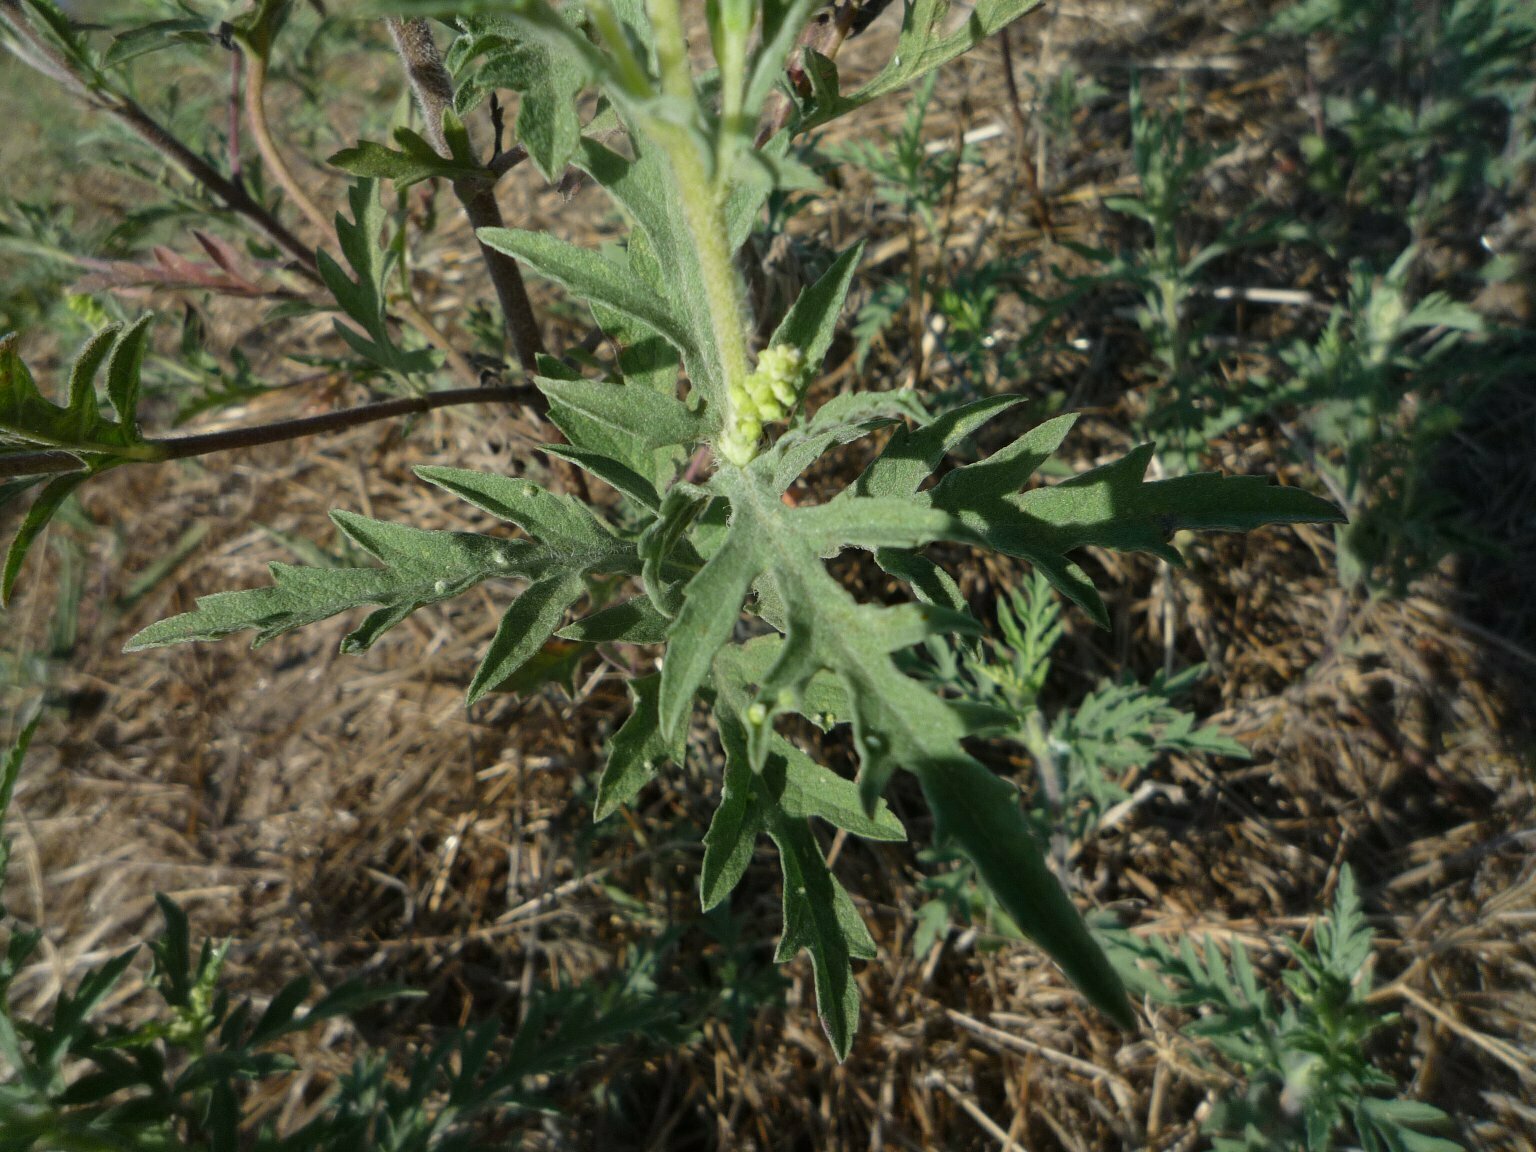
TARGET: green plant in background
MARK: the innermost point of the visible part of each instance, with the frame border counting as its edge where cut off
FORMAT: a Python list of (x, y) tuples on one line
[(184, 1078), (980, 356), (1085, 754), (1188, 404), (1060, 100), (1429, 106), (953, 302), (41, 242), (725, 580), (911, 178), (1083, 758), (914, 183), (1373, 397), (1378, 392), (1306, 1076)]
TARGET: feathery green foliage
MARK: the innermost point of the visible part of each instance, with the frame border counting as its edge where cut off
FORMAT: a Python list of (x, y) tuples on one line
[(185, 1078), (1379, 388), (1307, 1069), (1081, 757)]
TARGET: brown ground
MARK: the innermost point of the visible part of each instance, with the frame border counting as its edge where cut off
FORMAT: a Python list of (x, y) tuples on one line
[(342, 816)]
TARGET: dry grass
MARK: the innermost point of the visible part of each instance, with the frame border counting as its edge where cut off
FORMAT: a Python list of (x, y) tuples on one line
[(344, 816)]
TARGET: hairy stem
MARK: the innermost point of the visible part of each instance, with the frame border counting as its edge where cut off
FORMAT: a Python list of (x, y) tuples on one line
[(207, 443), (706, 220), (671, 50), (433, 89), (702, 196)]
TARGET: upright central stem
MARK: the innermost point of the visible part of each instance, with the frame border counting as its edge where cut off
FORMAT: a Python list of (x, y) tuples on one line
[(672, 50), (704, 213), (702, 194)]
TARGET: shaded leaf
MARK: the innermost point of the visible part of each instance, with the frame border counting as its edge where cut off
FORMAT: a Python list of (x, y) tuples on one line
[(631, 622), (362, 300), (707, 619), (924, 45), (414, 161), (981, 815), (54, 493), (527, 624), (636, 751)]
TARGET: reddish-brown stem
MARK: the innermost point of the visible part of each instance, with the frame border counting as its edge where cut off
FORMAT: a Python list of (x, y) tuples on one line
[(276, 166), (433, 89), (824, 35), (207, 443), (48, 60), (235, 58)]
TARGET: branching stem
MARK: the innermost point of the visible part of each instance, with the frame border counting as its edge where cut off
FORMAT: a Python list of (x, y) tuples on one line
[(434, 94), (47, 59), (207, 443)]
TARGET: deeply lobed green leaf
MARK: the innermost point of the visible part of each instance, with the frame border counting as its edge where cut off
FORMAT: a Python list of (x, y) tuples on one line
[(423, 567), (362, 298)]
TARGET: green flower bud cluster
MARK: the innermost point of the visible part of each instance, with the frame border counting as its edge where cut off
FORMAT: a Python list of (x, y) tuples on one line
[(770, 393)]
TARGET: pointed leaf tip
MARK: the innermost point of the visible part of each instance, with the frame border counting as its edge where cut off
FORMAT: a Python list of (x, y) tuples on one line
[(980, 813)]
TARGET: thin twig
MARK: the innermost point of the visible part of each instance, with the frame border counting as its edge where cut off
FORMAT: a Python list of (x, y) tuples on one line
[(434, 94), (47, 59), (43, 56), (974, 1111), (503, 162), (276, 166), (206, 443), (1037, 201), (1507, 1054), (1117, 1085)]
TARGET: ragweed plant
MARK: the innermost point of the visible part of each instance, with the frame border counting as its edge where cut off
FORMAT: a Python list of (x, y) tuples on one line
[(1427, 112), (1082, 757), (701, 435), (1379, 391), (1308, 1078), (186, 1077), (1189, 402), (939, 296)]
